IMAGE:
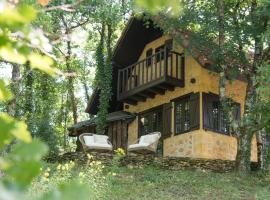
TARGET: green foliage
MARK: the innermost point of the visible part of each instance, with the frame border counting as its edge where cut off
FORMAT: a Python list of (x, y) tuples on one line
[(17, 19), (171, 7), (11, 128), (23, 163), (63, 181), (4, 93)]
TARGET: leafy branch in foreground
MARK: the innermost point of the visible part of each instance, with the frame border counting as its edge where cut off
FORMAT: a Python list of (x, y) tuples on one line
[(22, 163)]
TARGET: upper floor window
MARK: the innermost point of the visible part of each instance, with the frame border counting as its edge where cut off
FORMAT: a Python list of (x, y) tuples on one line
[(187, 113), (213, 115), (159, 53), (149, 58)]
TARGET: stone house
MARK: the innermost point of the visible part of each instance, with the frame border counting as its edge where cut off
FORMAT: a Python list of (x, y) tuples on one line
[(159, 86)]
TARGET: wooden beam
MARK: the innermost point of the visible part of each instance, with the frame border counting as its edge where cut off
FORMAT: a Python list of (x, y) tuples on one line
[(147, 94), (157, 90), (166, 87), (130, 101), (138, 98)]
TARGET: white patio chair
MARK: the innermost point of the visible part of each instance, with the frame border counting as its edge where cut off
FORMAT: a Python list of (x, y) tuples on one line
[(94, 142), (146, 144)]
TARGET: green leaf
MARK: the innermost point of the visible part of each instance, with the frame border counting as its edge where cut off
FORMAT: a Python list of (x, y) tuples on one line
[(23, 172), (32, 151), (9, 54), (10, 127), (42, 63), (70, 191), (28, 13), (155, 6), (6, 126), (16, 18), (21, 133), (23, 163), (5, 94)]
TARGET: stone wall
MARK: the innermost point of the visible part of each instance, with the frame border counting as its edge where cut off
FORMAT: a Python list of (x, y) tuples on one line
[(205, 144), (140, 161)]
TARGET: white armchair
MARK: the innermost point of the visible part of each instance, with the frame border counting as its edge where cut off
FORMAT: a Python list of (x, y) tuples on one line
[(95, 142), (146, 143)]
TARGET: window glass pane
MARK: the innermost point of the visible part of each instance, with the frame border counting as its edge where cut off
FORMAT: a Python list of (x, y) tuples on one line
[(151, 122), (215, 115), (159, 56), (182, 115), (187, 116), (178, 110)]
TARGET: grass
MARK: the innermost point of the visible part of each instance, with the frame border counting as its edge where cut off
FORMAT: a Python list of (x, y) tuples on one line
[(151, 183)]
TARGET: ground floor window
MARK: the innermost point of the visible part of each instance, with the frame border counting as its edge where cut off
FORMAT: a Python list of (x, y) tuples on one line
[(187, 113), (213, 116), (150, 121)]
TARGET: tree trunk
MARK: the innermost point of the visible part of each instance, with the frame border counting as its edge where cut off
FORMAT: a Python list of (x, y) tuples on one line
[(86, 92), (71, 84), (263, 151), (242, 163), (221, 60), (15, 85), (70, 71), (29, 99)]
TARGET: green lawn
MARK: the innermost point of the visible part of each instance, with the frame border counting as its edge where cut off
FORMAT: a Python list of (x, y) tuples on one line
[(151, 183)]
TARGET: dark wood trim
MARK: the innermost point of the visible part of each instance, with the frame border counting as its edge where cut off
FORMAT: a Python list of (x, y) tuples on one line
[(150, 110), (147, 94), (156, 90), (182, 97), (130, 101), (183, 132), (138, 97)]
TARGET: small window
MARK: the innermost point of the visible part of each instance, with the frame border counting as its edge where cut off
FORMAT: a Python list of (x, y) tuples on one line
[(159, 53), (187, 113), (151, 121), (149, 58), (213, 115), (182, 115)]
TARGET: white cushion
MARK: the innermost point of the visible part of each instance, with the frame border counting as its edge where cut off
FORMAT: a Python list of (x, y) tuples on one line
[(89, 140), (149, 139), (101, 146), (101, 139), (141, 145)]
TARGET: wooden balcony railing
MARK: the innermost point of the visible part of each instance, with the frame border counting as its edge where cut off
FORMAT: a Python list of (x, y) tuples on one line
[(161, 69)]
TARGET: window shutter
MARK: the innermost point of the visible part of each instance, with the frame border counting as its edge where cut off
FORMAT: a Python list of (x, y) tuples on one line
[(194, 110), (167, 122)]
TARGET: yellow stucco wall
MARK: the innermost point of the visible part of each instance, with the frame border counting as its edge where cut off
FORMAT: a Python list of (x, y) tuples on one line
[(200, 144)]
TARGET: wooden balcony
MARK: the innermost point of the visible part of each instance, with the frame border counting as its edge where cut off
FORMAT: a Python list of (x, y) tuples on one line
[(154, 75)]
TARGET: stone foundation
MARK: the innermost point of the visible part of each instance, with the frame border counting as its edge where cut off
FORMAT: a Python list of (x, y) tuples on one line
[(205, 145), (140, 161)]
